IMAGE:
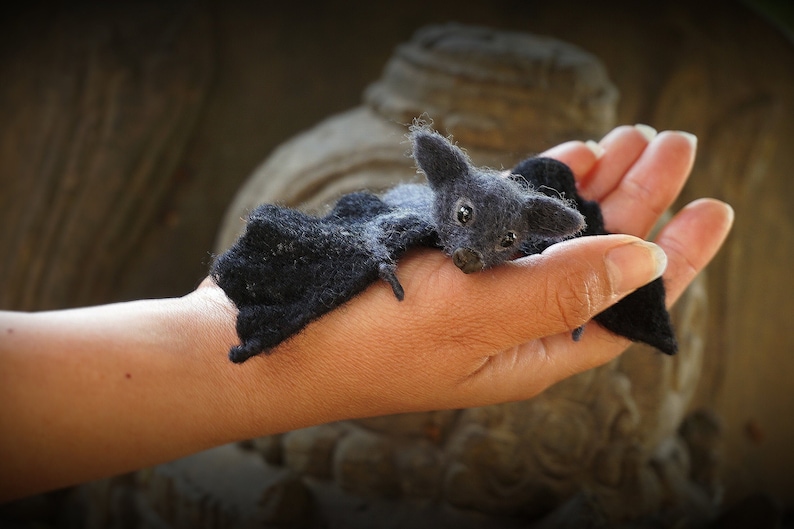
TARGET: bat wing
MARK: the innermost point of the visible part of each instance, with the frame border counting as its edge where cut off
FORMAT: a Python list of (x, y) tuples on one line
[(641, 316), (287, 270), (290, 268)]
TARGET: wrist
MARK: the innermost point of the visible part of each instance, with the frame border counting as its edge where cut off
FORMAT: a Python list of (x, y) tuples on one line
[(209, 317), (266, 395)]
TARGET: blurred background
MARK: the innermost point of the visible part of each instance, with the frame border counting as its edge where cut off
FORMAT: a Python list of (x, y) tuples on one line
[(126, 128)]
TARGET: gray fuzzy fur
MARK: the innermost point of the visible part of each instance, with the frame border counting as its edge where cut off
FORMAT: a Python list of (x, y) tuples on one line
[(499, 206)]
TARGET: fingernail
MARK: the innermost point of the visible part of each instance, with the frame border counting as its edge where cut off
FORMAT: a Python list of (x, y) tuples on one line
[(646, 130), (595, 147), (633, 265), (691, 138)]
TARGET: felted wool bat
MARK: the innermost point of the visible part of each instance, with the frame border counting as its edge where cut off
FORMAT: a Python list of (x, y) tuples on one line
[(290, 268)]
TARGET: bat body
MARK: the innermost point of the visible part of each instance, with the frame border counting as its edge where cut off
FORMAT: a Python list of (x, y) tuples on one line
[(290, 268)]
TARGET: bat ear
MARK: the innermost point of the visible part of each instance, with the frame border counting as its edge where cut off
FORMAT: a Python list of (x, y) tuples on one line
[(552, 217), (441, 161)]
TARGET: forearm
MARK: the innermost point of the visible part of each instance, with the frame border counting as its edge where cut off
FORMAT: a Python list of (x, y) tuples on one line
[(92, 392)]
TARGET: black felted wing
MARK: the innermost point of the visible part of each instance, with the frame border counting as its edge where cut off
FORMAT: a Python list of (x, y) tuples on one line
[(290, 268), (641, 316)]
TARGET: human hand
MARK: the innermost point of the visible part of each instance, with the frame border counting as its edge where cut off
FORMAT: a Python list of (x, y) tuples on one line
[(503, 334), (96, 391)]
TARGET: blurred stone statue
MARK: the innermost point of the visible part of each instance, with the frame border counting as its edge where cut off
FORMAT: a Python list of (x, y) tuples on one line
[(606, 443)]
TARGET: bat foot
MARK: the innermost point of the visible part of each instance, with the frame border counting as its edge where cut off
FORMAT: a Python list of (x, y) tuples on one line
[(386, 271), (577, 333)]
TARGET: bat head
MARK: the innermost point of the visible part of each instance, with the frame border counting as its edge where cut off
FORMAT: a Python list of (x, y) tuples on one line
[(482, 217)]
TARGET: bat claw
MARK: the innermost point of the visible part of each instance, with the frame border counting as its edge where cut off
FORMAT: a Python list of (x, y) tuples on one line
[(386, 271), (240, 353)]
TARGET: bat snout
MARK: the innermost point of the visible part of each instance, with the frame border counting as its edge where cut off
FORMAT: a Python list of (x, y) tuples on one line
[(467, 260)]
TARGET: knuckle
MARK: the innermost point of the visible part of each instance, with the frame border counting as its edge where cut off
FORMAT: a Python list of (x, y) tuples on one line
[(574, 298), (641, 193)]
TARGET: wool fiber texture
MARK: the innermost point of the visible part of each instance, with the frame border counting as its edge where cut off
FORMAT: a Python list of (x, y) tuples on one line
[(290, 268)]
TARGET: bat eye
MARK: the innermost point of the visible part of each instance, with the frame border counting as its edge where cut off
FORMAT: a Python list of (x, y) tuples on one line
[(465, 213), (508, 240)]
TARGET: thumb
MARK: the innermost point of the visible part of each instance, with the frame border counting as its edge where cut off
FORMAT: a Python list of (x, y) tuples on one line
[(597, 272), (558, 290)]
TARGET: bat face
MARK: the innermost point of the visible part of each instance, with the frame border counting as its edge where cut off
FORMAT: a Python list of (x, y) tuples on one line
[(482, 217), (482, 225)]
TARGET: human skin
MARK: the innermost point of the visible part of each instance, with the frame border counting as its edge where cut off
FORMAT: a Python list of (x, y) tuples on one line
[(92, 392)]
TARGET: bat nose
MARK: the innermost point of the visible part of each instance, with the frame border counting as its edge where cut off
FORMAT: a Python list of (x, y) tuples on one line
[(467, 260)]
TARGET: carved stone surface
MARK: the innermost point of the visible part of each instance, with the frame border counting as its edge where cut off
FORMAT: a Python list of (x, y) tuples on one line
[(310, 451), (220, 488), (494, 90)]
